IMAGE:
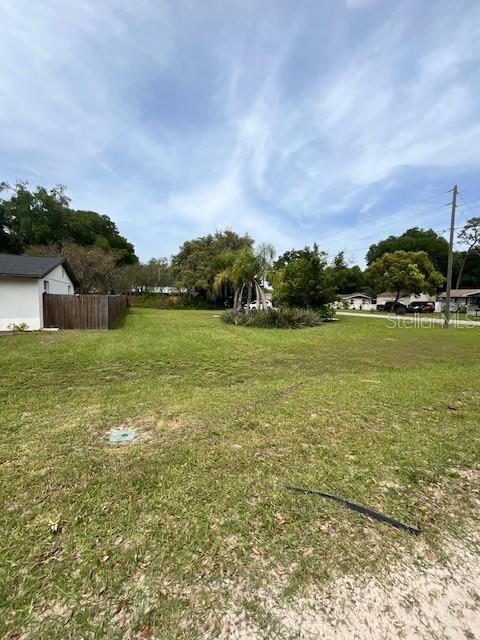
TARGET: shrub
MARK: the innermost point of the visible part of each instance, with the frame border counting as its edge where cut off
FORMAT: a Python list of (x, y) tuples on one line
[(18, 328), (279, 318), (162, 301)]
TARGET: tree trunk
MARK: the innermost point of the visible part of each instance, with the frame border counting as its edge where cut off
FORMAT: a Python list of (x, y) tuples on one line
[(249, 296), (462, 267), (238, 304), (395, 303), (262, 299)]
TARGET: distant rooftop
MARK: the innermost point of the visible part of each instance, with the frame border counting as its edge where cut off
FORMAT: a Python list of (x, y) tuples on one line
[(461, 293), (357, 294)]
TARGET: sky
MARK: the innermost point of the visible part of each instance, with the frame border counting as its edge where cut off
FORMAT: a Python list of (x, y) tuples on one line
[(297, 121)]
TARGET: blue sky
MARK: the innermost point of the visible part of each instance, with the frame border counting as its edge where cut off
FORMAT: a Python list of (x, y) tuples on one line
[(296, 121)]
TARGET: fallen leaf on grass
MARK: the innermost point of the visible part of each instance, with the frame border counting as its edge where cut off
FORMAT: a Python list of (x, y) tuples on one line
[(280, 518), (145, 631)]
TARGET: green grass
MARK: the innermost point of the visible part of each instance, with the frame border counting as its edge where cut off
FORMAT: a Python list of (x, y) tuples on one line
[(160, 536)]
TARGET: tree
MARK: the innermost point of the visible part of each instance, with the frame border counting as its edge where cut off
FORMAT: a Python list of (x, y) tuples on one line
[(34, 217), (89, 228), (44, 217), (94, 268), (152, 274), (346, 279), (471, 272), (300, 279), (199, 261), (405, 272), (245, 269), (469, 236), (265, 255), (414, 239)]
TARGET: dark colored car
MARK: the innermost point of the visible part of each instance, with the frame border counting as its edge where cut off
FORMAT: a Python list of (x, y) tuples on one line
[(391, 305), (421, 306)]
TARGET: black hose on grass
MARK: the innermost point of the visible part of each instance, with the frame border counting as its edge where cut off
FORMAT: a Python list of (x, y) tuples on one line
[(358, 507)]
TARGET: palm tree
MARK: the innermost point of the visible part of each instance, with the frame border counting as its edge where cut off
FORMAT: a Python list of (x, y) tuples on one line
[(242, 269)]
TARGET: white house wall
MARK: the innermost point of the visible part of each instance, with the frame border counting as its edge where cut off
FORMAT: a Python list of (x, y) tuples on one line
[(20, 302), (21, 299), (424, 297), (358, 303), (58, 281)]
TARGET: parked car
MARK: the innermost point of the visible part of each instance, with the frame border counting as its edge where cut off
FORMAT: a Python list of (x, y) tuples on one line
[(421, 306), (257, 305), (391, 305)]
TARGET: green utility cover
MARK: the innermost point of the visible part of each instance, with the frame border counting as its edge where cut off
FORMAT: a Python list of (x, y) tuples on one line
[(122, 436)]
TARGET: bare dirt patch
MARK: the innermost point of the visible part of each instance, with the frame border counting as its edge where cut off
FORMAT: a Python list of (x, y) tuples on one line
[(417, 598)]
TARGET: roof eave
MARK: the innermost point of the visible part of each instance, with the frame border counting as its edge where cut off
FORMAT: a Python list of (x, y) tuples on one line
[(66, 266)]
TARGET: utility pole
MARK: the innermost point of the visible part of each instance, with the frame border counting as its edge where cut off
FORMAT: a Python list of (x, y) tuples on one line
[(450, 259)]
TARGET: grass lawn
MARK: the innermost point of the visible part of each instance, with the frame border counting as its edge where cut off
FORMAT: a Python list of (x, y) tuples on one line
[(159, 537)]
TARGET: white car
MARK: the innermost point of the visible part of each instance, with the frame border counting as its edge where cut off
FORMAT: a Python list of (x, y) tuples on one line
[(255, 305)]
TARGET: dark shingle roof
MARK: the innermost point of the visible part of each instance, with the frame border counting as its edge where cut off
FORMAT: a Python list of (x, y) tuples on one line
[(13, 266)]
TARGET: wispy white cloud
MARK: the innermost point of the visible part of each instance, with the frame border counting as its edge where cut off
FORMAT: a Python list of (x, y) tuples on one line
[(179, 118)]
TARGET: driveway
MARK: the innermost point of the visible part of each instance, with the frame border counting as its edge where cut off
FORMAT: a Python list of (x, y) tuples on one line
[(411, 321)]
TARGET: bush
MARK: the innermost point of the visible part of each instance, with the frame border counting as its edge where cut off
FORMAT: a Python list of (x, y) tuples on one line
[(162, 301), (17, 328), (279, 318)]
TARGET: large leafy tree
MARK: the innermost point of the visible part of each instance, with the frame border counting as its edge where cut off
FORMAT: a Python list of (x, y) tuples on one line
[(471, 273), (469, 236), (345, 278), (300, 279), (91, 228), (33, 217), (44, 217), (414, 239), (405, 272), (199, 261)]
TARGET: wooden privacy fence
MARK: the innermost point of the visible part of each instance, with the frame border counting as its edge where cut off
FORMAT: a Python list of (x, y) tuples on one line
[(82, 311)]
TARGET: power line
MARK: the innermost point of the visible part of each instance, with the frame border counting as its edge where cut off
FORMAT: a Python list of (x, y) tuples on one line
[(393, 213), (477, 186), (471, 202), (373, 228), (464, 215), (341, 236), (437, 230)]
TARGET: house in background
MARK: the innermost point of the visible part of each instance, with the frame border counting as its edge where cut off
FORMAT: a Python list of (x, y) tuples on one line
[(388, 296), (357, 300), (23, 281), (462, 298)]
